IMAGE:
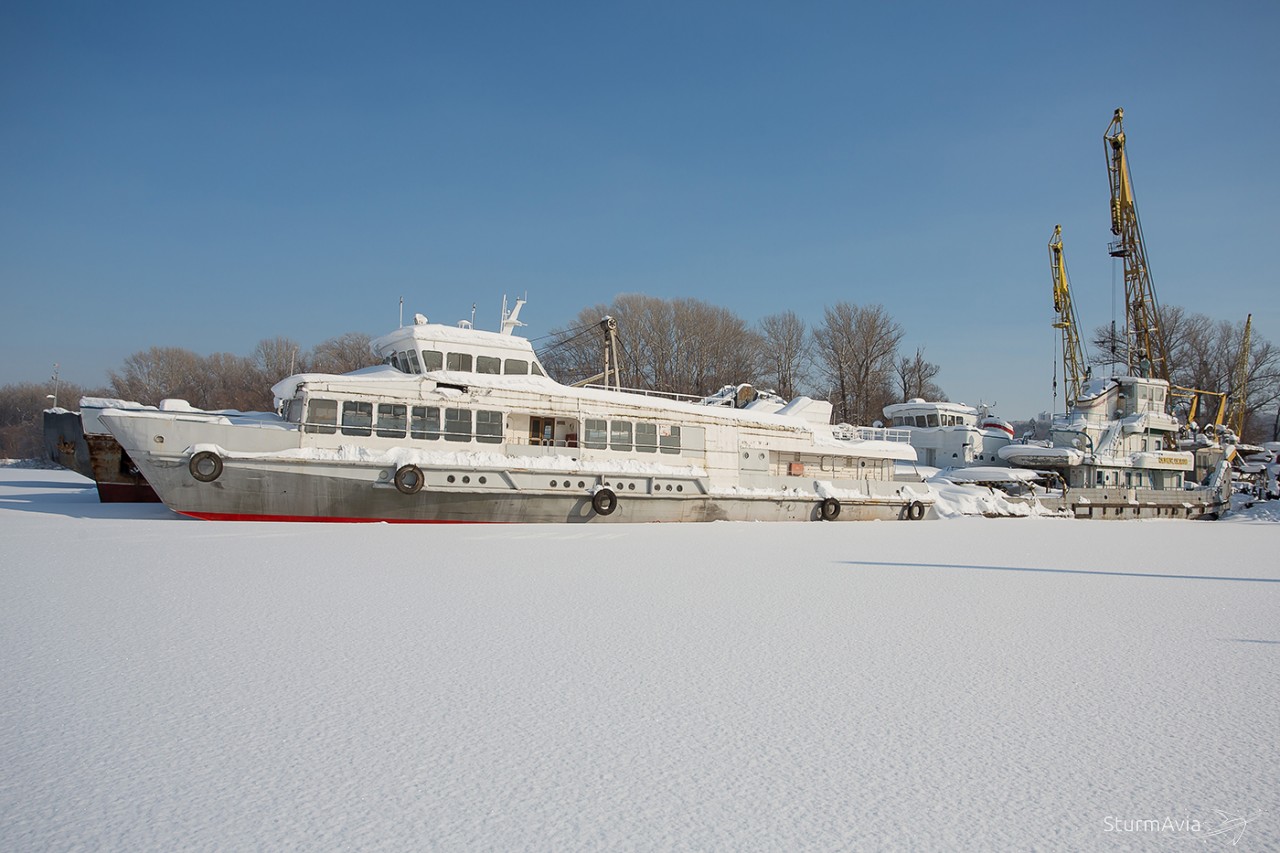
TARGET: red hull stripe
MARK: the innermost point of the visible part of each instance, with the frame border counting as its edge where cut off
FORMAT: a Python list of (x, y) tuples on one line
[(324, 519)]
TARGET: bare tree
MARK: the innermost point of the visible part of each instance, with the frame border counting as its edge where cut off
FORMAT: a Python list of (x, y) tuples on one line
[(279, 357), (154, 374), (343, 354), (915, 378), (785, 353), (682, 346), (857, 346)]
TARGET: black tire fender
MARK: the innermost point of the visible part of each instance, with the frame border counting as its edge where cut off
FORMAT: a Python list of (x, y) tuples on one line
[(409, 479), (205, 466), (604, 502), (915, 510), (829, 509)]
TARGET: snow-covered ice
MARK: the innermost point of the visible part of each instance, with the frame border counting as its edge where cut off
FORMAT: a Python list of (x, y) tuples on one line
[(968, 684)]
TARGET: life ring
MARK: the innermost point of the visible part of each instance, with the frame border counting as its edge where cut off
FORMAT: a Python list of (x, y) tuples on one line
[(205, 466), (915, 510), (604, 502), (409, 479), (829, 509)]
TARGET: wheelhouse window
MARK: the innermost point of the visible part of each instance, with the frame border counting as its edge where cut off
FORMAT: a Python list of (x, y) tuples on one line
[(537, 369), (411, 359), (620, 435), (489, 427), (457, 424), (488, 364), (459, 361), (357, 417), (424, 422), (669, 439), (647, 438), (432, 359), (391, 420), (595, 434), (322, 416), (515, 367)]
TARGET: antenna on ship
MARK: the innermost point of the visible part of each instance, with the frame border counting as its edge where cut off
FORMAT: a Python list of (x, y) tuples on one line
[(402, 312)]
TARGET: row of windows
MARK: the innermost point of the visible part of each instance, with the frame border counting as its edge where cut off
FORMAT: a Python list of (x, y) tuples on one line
[(431, 423), (932, 420), (395, 420), (597, 434), (407, 361)]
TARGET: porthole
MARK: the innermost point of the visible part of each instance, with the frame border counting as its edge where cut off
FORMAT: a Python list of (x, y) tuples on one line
[(450, 478), (581, 485), (466, 479), (483, 481), (746, 456), (631, 487), (679, 488), (566, 484), (553, 484), (668, 487)]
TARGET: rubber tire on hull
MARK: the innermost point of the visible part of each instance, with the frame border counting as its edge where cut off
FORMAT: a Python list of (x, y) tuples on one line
[(915, 511), (604, 502), (201, 471), (408, 479), (829, 509)]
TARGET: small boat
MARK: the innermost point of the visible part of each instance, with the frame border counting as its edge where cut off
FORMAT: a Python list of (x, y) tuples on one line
[(951, 435), (113, 471), (464, 425)]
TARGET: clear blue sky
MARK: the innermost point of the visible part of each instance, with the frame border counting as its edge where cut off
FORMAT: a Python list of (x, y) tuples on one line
[(208, 175)]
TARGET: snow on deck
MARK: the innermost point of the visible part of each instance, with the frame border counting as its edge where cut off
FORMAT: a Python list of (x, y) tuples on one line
[(952, 685)]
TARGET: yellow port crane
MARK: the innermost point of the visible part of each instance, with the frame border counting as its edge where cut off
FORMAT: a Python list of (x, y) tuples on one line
[(1240, 384), (1075, 370), (1146, 353)]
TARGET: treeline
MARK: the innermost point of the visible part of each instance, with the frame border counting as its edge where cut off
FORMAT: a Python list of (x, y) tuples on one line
[(218, 381), (687, 346), (1203, 353)]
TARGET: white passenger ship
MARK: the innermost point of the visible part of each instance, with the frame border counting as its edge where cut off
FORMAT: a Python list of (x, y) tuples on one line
[(1115, 452), (462, 425)]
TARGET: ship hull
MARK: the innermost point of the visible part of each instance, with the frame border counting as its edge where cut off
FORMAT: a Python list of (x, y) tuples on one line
[(264, 490)]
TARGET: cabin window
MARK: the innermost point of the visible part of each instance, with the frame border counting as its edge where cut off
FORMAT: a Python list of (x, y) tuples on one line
[(515, 367), (669, 439), (322, 416), (537, 369), (595, 434), (460, 361), (357, 417), (647, 438), (921, 421), (425, 422), (489, 427), (488, 364), (412, 361), (457, 425), (620, 435), (432, 359), (394, 361), (933, 420), (391, 420)]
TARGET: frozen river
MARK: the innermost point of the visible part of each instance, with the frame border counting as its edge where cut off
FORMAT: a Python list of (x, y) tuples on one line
[(969, 684)]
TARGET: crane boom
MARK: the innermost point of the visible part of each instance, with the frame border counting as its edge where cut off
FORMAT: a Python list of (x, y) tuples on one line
[(1074, 369), (1240, 383), (1146, 351)]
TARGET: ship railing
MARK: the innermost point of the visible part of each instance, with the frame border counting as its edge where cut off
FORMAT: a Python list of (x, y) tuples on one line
[(852, 433), (647, 392)]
